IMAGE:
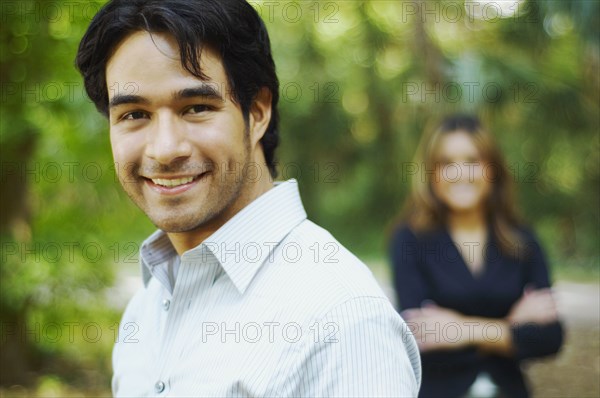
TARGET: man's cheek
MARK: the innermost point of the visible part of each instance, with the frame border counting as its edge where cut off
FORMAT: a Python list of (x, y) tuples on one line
[(129, 172), (125, 172)]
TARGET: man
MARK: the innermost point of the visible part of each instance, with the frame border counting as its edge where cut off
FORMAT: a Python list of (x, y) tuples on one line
[(243, 296)]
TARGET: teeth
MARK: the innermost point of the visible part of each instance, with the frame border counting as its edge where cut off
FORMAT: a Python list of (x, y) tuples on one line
[(170, 183)]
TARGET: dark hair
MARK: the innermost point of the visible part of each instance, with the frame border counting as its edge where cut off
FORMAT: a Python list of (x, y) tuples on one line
[(231, 27), (424, 211)]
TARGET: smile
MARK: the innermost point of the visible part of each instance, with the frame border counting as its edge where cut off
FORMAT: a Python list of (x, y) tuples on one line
[(175, 186), (174, 182)]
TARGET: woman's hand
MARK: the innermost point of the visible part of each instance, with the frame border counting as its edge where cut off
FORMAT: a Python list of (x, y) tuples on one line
[(535, 306), (438, 328)]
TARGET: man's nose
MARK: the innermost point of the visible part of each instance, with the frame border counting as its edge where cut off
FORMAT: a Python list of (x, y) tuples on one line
[(168, 141)]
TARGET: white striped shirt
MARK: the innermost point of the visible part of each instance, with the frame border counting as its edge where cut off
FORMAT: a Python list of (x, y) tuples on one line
[(269, 305)]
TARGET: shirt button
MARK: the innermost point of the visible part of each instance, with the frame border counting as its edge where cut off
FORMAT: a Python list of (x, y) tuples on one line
[(159, 387), (166, 304)]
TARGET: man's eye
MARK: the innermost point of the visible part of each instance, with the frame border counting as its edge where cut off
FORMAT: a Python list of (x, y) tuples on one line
[(134, 115), (195, 109)]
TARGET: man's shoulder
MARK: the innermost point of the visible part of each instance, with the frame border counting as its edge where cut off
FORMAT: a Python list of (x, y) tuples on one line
[(323, 255), (311, 267)]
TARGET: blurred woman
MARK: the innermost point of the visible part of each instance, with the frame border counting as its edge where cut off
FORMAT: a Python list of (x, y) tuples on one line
[(471, 280)]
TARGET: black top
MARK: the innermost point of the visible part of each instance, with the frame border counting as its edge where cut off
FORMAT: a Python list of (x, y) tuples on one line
[(430, 267)]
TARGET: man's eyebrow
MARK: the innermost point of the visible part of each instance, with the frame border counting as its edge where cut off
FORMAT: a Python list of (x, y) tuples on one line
[(121, 99), (205, 90)]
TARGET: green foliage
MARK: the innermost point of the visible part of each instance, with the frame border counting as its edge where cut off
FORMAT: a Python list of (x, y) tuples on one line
[(532, 76), (60, 204), (360, 82)]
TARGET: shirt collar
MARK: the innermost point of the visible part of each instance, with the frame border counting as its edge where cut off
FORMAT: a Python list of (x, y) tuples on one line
[(244, 242), (155, 250)]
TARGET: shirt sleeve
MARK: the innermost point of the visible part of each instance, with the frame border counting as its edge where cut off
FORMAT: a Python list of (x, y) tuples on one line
[(533, 340), (364, 349), (409, 281)]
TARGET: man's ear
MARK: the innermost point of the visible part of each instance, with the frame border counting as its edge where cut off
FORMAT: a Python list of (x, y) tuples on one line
[(260, 114)]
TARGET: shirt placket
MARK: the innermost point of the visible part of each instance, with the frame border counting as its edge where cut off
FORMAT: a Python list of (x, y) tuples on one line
[(194, 280)]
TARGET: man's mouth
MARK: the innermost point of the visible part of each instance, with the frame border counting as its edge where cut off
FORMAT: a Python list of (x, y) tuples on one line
[(173, 182)]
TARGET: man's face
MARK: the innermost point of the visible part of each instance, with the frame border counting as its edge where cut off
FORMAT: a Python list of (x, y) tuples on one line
[(180, 143)]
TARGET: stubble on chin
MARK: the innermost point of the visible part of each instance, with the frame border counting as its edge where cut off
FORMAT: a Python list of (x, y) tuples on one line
[(177, 216)]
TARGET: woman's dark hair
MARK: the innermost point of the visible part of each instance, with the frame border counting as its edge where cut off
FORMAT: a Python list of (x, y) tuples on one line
[(230, 27), (424, 211)]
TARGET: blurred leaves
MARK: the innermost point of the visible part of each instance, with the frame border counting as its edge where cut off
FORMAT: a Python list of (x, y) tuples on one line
[(531, 76)]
